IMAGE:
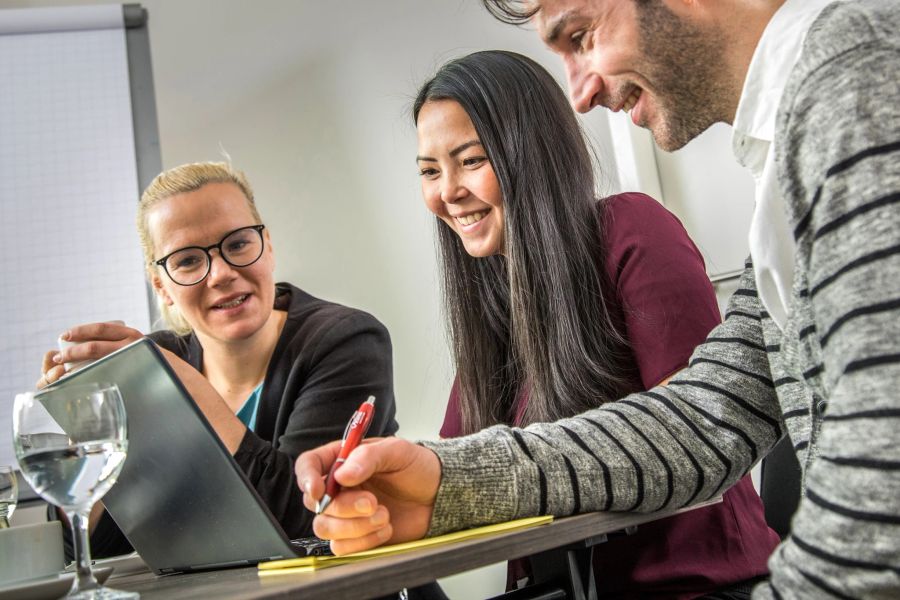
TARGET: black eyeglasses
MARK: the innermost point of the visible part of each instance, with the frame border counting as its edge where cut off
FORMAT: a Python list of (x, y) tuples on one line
[(239, 248)]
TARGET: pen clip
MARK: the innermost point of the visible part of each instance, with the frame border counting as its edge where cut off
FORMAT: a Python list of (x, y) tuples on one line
[(348, 427), (367, 416), (360, 415), (358, 419)]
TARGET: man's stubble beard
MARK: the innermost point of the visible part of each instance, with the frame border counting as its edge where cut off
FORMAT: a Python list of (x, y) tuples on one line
[(683, 62)]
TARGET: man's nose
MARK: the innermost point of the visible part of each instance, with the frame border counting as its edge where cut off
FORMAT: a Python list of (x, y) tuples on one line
[(585, 86)]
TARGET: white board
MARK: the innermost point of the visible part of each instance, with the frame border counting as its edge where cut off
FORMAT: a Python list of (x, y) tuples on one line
[(69, 251)]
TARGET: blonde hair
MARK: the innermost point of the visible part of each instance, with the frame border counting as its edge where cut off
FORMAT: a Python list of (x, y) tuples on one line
[(181, 180)]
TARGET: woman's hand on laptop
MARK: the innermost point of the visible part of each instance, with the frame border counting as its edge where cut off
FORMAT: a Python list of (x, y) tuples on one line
[(83, 344), (388, 491), (92, 341)]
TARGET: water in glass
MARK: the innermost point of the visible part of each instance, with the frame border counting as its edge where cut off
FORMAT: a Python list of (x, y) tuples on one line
[(71, 443)]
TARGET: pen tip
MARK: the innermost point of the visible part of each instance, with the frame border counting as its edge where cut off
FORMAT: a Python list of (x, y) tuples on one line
[(322, 504), (370, 400)]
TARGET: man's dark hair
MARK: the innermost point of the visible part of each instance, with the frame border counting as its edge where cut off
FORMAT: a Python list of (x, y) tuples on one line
[(519, 12), (514, 12)]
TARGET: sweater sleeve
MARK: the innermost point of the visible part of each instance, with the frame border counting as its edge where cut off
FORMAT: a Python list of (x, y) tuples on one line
[(333, 374), (842, 160), (667, 447)]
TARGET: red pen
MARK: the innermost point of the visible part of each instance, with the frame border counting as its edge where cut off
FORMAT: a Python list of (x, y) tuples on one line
[(353, 435)]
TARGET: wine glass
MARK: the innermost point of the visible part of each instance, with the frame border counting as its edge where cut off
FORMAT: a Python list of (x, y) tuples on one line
[(9, 493), (71, 444)]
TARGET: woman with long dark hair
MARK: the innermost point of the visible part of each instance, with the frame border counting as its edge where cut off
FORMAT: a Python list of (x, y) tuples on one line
[(557, 302)]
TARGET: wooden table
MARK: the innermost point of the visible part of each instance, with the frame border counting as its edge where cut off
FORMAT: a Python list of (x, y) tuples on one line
[(385, 575)]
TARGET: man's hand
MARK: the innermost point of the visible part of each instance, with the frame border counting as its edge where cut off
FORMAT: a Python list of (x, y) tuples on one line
[(388, 490)]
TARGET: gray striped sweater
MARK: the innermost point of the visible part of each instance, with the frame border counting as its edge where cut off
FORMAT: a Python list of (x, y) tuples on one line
[(830, 380)]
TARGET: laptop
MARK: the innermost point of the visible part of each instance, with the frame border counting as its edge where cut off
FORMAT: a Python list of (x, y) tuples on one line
[(181, 499)]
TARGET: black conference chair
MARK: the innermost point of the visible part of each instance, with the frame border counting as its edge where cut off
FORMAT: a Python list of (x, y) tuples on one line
[(780, 486)]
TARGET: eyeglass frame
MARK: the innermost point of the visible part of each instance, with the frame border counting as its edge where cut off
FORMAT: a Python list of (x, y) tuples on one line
[(218, 246)]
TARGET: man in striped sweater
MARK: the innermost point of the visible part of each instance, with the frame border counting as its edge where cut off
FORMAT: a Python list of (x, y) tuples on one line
[(810, 344)]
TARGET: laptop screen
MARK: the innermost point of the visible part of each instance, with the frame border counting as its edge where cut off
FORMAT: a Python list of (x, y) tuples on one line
[(181, 500)]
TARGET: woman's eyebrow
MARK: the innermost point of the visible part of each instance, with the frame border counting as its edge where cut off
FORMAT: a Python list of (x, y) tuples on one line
[(465, 146), (453, 152)]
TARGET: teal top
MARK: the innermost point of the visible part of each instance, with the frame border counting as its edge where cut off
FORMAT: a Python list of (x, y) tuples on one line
[(247, 413)]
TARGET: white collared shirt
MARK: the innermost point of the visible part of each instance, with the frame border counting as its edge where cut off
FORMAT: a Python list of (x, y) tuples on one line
[(771, 239)]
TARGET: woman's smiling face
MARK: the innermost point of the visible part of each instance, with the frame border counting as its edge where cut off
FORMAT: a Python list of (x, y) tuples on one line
[(458, 181)]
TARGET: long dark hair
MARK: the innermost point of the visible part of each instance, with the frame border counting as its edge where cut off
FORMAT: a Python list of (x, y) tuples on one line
[(541, 318)]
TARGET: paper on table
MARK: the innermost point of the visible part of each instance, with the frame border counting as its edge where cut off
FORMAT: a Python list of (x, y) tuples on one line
[(311, 563)]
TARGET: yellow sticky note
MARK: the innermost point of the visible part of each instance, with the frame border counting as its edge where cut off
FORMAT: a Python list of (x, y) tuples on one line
[(311, 563)]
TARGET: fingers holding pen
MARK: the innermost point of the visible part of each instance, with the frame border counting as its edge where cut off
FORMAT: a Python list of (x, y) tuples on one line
[(353, 503), (367, 542), (334, 525), (311, 469), (373, 458), (313, 466), (353, 534), (354, 520)]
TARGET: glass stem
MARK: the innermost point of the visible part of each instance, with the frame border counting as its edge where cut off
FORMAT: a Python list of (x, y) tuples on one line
[(84, 577)]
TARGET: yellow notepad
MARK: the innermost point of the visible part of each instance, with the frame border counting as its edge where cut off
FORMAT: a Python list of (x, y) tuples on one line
[(311, 563)]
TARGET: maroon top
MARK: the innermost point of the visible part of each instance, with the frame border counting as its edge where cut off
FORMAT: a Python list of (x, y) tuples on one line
[(668, 307)]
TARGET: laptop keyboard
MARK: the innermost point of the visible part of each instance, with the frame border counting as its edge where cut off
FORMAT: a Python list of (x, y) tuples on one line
[(312, 546)]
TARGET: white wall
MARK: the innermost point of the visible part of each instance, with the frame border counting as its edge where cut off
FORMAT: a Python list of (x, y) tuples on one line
[(713, 195), (311, 99), (702, 184)]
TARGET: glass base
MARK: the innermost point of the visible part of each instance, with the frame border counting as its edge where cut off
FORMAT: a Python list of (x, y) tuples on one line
[(103, 593)]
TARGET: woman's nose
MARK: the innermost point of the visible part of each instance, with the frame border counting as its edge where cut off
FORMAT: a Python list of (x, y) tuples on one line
[(452, 190), (219, 270)]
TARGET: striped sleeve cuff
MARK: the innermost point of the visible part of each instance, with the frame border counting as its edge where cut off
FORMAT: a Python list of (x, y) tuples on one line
[(478, 482)]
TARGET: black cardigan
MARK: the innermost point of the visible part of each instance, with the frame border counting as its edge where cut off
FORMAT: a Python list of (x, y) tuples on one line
[(328, 359)]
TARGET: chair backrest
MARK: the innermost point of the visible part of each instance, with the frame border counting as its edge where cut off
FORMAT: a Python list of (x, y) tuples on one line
[(780, 486)]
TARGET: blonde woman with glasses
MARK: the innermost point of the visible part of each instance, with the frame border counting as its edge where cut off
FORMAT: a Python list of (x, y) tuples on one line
[(275, 370)]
